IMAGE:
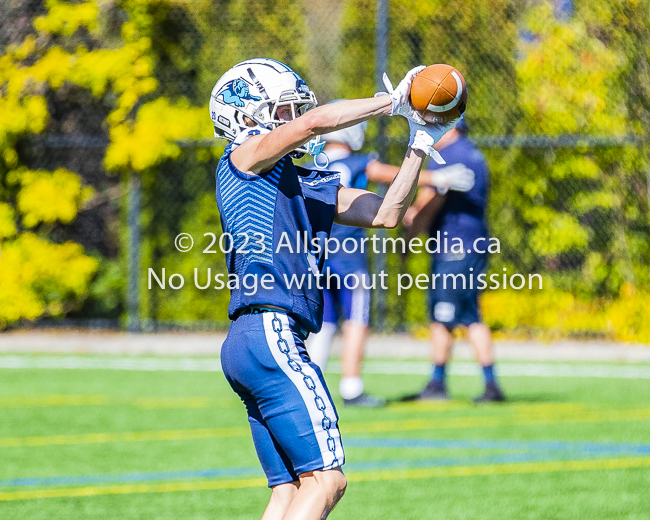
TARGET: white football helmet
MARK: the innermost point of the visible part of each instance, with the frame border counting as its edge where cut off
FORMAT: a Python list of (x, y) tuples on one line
[(249, 95)]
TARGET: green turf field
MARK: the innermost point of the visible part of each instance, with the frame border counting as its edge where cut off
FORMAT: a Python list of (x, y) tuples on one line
[(171, 444)]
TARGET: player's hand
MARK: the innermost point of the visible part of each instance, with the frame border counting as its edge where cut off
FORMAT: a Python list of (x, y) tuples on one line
[(457, 177), (437, 130), (423, 137), (400, 96)]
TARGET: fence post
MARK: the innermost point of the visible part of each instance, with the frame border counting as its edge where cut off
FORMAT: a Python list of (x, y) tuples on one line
[(381, 61), (133, 254)]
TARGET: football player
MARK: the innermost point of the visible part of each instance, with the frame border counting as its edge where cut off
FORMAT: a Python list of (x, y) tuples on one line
[(460, 215), (263, 108)]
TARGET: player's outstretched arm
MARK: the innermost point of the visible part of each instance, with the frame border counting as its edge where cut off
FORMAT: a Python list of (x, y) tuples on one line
[(259, 153), (385, 173), (366, 209)]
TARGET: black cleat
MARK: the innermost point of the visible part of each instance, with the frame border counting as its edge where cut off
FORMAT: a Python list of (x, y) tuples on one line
[(435, 390), (366, 401), (492, 394)]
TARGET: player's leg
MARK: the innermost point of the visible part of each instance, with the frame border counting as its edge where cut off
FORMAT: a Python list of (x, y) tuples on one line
[(317, 495), (354, 337), (351, 386), (300, 414), (443, 305), (277, 466), (320, 344), (281, 497), (292, 418), (356, 310), (480, 336), (441, 341)]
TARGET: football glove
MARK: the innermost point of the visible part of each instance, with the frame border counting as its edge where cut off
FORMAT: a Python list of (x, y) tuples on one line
[(399, 96), (423, 137), (457, 177)]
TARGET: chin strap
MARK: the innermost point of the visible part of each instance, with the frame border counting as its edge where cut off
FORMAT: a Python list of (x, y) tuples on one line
[(315, 148)]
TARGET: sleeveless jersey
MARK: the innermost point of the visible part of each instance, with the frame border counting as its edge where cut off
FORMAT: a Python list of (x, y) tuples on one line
[(268, 216)]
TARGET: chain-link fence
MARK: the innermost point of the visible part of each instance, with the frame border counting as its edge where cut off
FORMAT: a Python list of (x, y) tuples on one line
[(115, 94)]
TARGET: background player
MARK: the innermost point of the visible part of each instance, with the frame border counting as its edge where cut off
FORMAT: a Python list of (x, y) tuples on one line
[(261, 194), (353, 305), (462, 215)]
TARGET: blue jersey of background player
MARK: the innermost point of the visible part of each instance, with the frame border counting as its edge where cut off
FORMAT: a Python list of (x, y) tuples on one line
[(352, 170), (452, 215), (261, 106), (462, 214)]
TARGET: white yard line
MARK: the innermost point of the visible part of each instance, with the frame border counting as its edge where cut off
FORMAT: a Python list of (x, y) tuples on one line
[(191, 364), (530, 369), (392, 346)]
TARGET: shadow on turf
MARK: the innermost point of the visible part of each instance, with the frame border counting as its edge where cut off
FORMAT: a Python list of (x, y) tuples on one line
[(536, 398)]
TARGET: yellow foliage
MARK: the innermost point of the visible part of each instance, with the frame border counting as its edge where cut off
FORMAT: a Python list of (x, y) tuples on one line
[(562, 233), (127, 70), (151, 139), (564, 78), (7, 224), (50, 196), (554, 314), (18, 117), (38, 277), (65, 18), (511, 309)]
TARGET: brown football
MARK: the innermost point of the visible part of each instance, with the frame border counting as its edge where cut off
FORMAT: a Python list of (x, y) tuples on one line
[(439, 93)]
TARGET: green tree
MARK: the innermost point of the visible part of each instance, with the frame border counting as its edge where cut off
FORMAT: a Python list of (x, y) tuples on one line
[(571, 211), (88, 50)]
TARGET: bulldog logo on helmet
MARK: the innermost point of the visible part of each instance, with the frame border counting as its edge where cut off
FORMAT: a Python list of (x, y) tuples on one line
[(235, 91)]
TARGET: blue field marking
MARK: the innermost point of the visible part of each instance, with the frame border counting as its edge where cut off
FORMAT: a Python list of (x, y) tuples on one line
[(466, 460), (132, 477), (510, 445), (520, 451), (255, 471)]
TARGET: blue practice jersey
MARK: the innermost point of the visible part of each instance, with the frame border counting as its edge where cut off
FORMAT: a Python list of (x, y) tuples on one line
[(260, 209), (352, 169), (463, 213)]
